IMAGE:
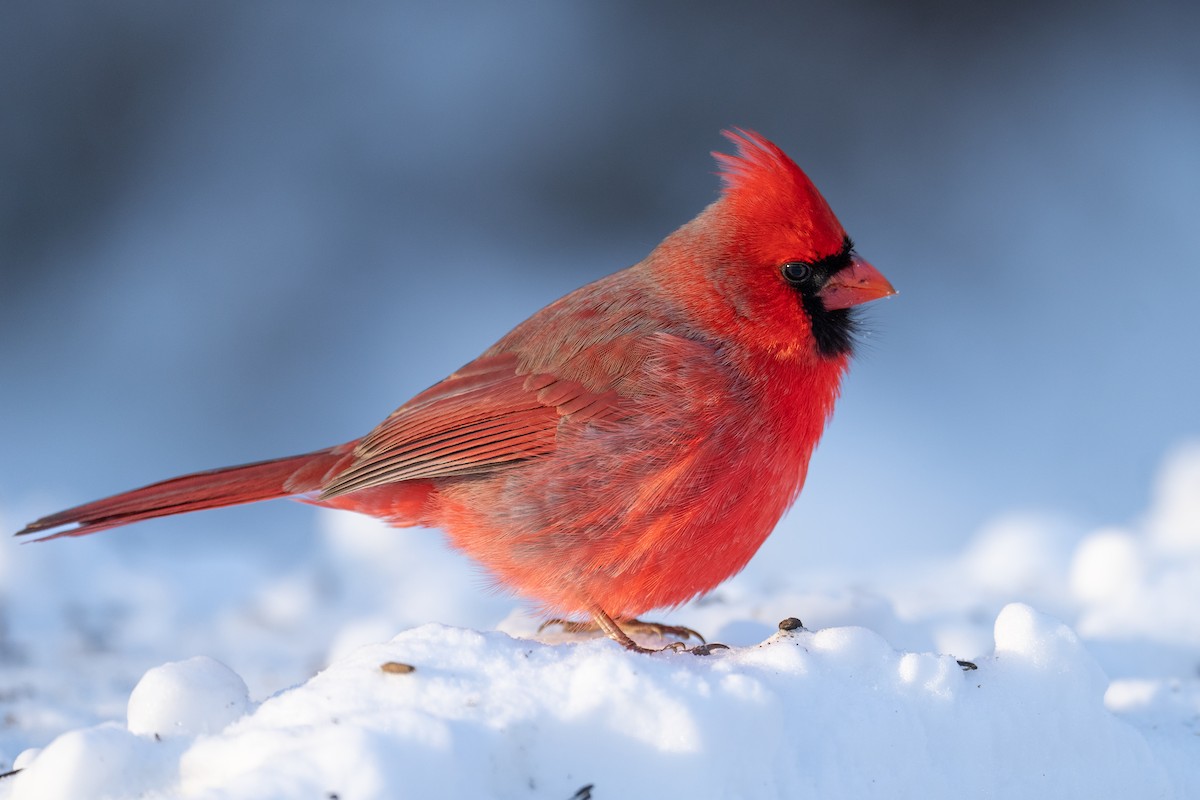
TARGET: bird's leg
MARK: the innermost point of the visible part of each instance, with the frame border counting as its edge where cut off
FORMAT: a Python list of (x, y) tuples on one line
[(613, 631)]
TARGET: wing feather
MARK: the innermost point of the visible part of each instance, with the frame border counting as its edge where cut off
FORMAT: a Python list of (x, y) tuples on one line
[(487, 416)]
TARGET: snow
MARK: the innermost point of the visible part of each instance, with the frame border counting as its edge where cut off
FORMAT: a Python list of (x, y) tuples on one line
[(187, 698), (1086, 644)]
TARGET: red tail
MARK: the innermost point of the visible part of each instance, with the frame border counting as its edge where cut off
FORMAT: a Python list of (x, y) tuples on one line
[(230, 486)]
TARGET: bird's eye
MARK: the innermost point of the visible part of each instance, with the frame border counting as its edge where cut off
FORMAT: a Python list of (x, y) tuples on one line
[(797, 272)]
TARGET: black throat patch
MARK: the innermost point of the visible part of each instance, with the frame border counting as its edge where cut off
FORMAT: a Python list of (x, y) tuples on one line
[(833, 331)]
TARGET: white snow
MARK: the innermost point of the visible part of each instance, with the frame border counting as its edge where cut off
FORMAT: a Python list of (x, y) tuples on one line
[(187, 698), (1087, 645)]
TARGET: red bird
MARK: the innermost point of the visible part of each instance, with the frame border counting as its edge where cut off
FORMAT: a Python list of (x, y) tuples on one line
[(628, 447)]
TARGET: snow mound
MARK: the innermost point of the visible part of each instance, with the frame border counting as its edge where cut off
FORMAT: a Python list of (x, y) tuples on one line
[(832, 713), (200, 695)]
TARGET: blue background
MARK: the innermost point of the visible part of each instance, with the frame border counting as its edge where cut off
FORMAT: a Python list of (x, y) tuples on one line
[(234, 231)]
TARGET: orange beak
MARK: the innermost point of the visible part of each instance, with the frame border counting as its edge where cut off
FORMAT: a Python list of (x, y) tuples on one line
[(859, 283)]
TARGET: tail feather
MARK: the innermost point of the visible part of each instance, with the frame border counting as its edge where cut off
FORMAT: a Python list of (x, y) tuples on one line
[(247, 483)]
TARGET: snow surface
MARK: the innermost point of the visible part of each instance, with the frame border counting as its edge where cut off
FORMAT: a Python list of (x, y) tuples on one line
[(869, 702)]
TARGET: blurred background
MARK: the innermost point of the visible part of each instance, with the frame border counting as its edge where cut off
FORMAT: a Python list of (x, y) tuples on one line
[(230, 231)]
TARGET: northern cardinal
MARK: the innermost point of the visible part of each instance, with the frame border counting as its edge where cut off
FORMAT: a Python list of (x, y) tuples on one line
[(628, 447)]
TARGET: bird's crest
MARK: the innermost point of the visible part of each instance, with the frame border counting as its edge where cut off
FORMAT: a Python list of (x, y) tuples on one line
[(763, 184), (758, 161)]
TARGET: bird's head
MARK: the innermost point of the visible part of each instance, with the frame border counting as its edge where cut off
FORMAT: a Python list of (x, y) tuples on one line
[(778, 269)]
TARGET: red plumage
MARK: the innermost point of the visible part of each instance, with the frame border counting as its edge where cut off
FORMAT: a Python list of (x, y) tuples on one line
[(629, 446)]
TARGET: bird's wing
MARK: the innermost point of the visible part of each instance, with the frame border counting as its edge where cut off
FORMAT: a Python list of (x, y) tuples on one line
[(488, 415)]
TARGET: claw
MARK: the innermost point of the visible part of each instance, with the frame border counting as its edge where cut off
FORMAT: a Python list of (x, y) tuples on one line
[(659, 629), (699, 650)]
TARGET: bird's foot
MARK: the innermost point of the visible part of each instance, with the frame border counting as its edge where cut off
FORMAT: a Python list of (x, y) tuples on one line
[(627, 625), (619, 632)]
